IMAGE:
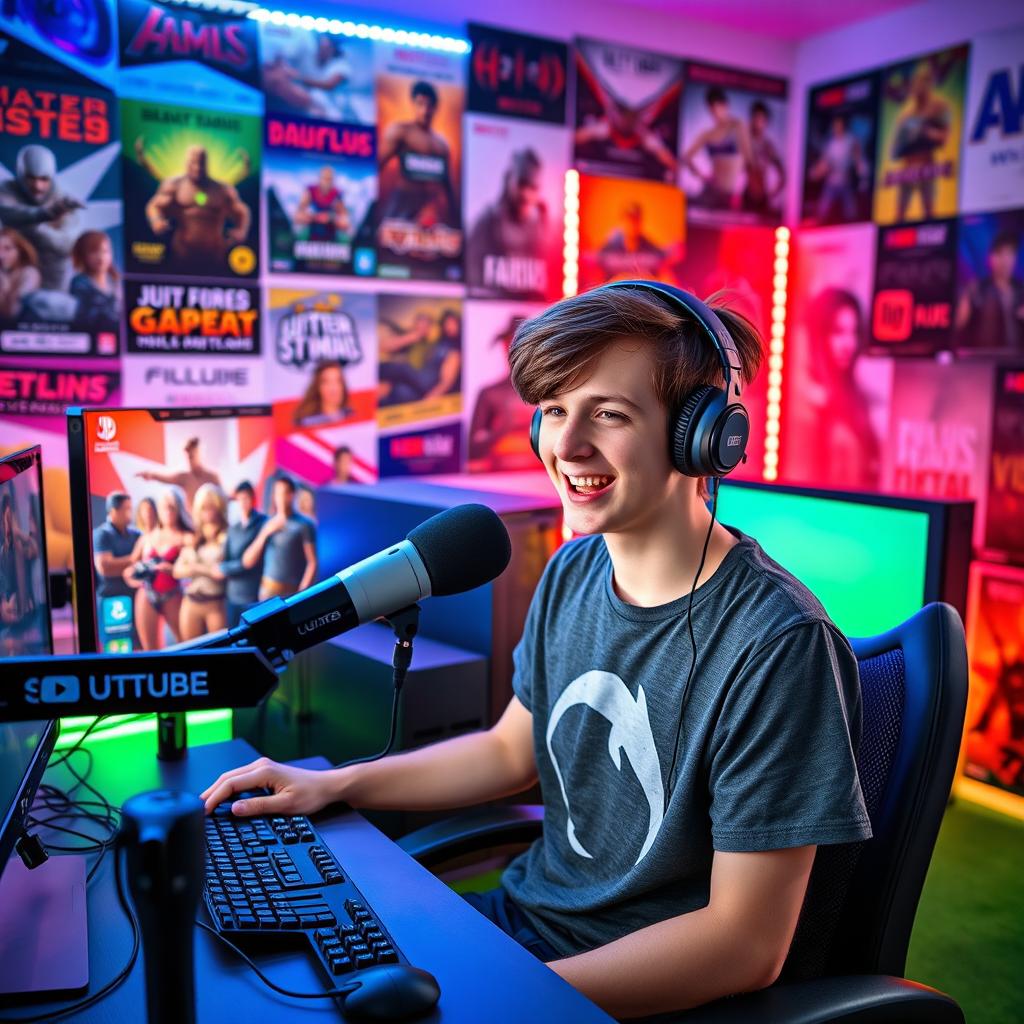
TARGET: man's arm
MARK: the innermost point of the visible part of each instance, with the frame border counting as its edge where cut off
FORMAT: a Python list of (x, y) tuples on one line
[(309, 575), (176, 479), (390, 146), (459, 772), (109, 564), (737, 943), (254, 552)]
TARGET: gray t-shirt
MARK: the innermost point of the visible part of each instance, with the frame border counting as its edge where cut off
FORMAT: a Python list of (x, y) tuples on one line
[(283, 557), (765, 761)]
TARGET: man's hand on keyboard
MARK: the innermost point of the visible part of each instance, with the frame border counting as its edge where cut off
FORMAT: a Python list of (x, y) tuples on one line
[(292, 790)]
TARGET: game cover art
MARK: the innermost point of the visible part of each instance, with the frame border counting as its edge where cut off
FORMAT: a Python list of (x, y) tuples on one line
[(420, 99), (1004, 519), (196, 178), (514, 208), (60, 219), (627, 111), (320, 182)]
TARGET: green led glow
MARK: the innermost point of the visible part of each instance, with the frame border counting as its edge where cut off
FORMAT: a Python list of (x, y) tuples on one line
[(120, 726), (865, 563)]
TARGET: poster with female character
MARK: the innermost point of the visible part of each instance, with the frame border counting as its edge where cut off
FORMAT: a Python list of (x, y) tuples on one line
[(1004, 514), (994, 729), (921, 109), (834, 391), (514, 208), (732, 165), (420, 99), (195, 176), (322, 379)]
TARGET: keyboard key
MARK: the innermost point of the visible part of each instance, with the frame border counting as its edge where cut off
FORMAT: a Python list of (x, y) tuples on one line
[(340, 965)]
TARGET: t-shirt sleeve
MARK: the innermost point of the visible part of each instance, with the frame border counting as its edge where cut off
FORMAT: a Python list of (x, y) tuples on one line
[(782, 765), (102, 542), (524, 657)]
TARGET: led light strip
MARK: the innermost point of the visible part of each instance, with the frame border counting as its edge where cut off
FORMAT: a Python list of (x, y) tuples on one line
[(358, 29), (571, 235), (776, 348)]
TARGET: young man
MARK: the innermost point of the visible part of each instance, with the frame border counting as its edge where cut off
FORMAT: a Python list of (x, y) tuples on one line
[(682, 813), (189, 480), (286, 545), (243, 582)]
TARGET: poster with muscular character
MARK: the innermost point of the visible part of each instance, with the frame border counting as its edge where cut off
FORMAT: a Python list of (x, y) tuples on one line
[(514, 208), (920, 113), (1004, 521), (420, 99), (60, 219), (196, 176), (627, 111)]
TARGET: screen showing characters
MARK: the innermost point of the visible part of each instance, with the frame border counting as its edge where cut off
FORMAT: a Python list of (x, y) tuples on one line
[(24, 581), (189, 523)]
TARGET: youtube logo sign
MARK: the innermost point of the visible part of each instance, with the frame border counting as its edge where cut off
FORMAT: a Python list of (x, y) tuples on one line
[(53, 690)]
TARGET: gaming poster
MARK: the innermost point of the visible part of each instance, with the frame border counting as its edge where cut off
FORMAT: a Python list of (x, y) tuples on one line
[(420, 347), (516, 75), (835, 391), (497, 420), (420, 99), (320, 182), (915, 286), (629, 229), (322, 379), (839, 159), (993, 151), (627, 111), (939, 432), (990, 283), (733, 148), (994, 740), (429, 451), (514, 208), (317, 75), (204, 54), (1004, 521), (920, 114), (60, 219), (736, 260), (196, 178)]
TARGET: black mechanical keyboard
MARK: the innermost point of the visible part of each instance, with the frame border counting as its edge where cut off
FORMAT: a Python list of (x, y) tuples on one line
[(275, 876)]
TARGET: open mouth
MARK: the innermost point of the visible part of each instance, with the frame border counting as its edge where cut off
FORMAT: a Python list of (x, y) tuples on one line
[(588, 486)]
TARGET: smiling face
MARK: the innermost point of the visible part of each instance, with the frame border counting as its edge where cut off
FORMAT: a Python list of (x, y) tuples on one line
[(604, 445)]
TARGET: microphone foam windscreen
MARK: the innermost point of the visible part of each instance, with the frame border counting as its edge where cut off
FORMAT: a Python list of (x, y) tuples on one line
[(462, 548)]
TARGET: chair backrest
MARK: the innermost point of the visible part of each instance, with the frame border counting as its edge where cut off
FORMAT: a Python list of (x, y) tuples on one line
[(862, 897)]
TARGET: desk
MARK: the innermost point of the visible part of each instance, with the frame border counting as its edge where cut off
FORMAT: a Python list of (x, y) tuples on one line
[(483, 974)]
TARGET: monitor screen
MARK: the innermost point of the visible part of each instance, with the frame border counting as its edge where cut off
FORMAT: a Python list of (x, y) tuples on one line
[(162, 519), (866, 562)]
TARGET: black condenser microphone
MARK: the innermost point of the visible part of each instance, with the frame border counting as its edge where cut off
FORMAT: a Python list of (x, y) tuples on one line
[(457, 550)]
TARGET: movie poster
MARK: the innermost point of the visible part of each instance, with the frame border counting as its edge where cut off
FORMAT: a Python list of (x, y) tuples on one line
[(419, 340), (515, 183), (1004, 522), (420, 99), (195, 176), (736, 262), (627, 111), (204, 54), (835, 392), (994, 740), (322, 378), (318, 76), (516, 75), (60, 219), (734, 144), (939, 433), (497, 421), (920, 113), (839, 158), (915, 286), (629, 229), (993, 152), (320, 182), (428, 451), (990, 283)]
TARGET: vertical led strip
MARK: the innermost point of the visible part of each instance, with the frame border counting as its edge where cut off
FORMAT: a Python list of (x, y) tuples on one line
[(571, 235), (776, 349)]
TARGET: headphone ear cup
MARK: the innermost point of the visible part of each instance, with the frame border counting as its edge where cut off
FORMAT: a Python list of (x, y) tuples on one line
[(685, 435), (535, 423)]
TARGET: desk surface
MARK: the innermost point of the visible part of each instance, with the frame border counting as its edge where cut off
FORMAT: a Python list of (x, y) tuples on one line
[(484, 975)]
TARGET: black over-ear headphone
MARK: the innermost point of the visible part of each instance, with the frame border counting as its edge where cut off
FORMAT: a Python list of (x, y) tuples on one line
[(708, 433)]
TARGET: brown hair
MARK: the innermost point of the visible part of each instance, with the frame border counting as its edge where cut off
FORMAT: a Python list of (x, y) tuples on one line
[(309, 403), (85, 244), (26, 250)]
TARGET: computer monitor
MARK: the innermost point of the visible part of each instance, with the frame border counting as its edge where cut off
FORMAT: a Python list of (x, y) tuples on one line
[(139, 477), (871, 559), (24, 630)]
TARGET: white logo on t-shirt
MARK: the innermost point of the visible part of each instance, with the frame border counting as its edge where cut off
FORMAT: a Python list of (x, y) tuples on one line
[(607, 694)]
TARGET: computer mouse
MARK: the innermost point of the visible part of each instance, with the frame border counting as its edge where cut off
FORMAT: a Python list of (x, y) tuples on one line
[(392, 992)]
